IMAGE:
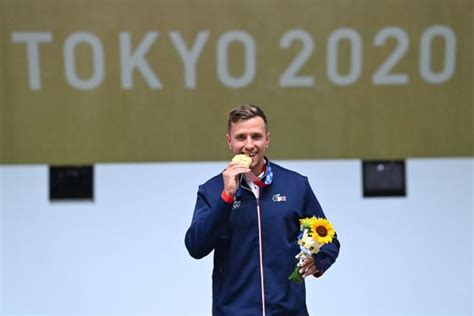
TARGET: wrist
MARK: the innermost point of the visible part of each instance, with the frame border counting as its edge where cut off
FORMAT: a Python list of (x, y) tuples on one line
[(227, 197)]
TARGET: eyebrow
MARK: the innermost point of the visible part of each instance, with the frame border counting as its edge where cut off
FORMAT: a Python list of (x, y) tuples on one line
[(251, 134)]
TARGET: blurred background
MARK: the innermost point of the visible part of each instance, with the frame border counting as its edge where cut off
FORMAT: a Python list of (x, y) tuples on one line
[(112, 112)]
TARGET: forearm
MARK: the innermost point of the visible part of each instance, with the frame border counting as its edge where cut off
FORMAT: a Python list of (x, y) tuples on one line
[(327, 256), (203, 233)]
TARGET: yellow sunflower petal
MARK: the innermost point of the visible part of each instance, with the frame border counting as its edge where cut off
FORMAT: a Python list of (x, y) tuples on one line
[(322, 231)]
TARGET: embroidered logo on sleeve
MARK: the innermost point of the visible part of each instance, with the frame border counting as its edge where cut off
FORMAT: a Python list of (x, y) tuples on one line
[(279, 198), (236, 205)]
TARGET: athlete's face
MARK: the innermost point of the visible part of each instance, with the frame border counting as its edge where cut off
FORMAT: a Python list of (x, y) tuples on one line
[(250, 137)]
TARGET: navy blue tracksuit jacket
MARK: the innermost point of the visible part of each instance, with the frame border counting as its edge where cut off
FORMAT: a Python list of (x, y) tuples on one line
[(255, 243)]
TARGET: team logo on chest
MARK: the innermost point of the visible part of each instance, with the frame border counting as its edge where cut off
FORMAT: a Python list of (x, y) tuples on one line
[(279, 198)]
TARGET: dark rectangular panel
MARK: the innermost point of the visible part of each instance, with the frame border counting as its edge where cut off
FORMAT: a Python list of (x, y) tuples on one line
[(71, 183), (384, 178)]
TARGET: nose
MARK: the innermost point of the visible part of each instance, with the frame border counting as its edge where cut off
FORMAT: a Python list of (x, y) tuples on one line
[(249, 143)]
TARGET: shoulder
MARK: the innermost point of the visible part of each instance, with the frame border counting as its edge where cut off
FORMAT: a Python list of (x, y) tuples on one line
[(214, 183), (283, 172)]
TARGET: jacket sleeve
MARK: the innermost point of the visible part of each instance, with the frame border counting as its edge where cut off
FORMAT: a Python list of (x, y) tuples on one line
[(329, 252), (210, 218)]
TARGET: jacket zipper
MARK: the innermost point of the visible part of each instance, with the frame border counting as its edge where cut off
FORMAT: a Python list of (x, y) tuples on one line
[(260, 247)]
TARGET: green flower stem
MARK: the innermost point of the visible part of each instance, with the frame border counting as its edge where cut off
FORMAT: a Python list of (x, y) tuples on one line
[(296, 276)]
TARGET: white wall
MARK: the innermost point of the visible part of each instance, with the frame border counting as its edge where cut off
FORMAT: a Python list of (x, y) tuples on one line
[(124, 253)]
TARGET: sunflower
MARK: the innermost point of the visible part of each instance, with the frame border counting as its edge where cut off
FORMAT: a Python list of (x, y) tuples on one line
[(322, 230)]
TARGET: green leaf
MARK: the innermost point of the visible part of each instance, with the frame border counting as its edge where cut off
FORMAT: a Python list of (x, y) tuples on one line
[(296, 276)]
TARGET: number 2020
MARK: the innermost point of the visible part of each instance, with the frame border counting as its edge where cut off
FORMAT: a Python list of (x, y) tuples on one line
[(384, 74)]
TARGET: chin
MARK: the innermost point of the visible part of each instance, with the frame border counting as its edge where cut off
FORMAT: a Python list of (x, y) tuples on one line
[(255, 163)]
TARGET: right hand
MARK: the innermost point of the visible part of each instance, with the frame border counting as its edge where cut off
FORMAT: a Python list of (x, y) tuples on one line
[(231, 177)]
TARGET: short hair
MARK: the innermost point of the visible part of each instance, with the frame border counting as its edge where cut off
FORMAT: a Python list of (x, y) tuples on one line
[(245, 112)]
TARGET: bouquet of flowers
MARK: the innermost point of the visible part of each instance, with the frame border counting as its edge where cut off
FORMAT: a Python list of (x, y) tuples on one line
[(315, 232)]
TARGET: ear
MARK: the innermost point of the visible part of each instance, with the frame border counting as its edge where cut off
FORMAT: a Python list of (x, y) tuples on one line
[(267, 141), (227, 138)]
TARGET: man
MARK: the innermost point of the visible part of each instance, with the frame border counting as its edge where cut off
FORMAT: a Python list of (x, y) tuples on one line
[(250, 217)]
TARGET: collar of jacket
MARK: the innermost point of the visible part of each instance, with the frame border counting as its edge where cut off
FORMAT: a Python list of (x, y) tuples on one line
[(266, 179)]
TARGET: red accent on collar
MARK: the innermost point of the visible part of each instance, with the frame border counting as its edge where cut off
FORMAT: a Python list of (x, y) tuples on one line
[(259, 183), (256, 180)]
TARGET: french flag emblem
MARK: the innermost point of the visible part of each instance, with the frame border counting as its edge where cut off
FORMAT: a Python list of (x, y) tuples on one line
[(279, 198)]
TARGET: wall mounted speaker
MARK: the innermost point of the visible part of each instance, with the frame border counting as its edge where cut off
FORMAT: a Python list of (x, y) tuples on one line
[(384, 178), (71, 183)]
